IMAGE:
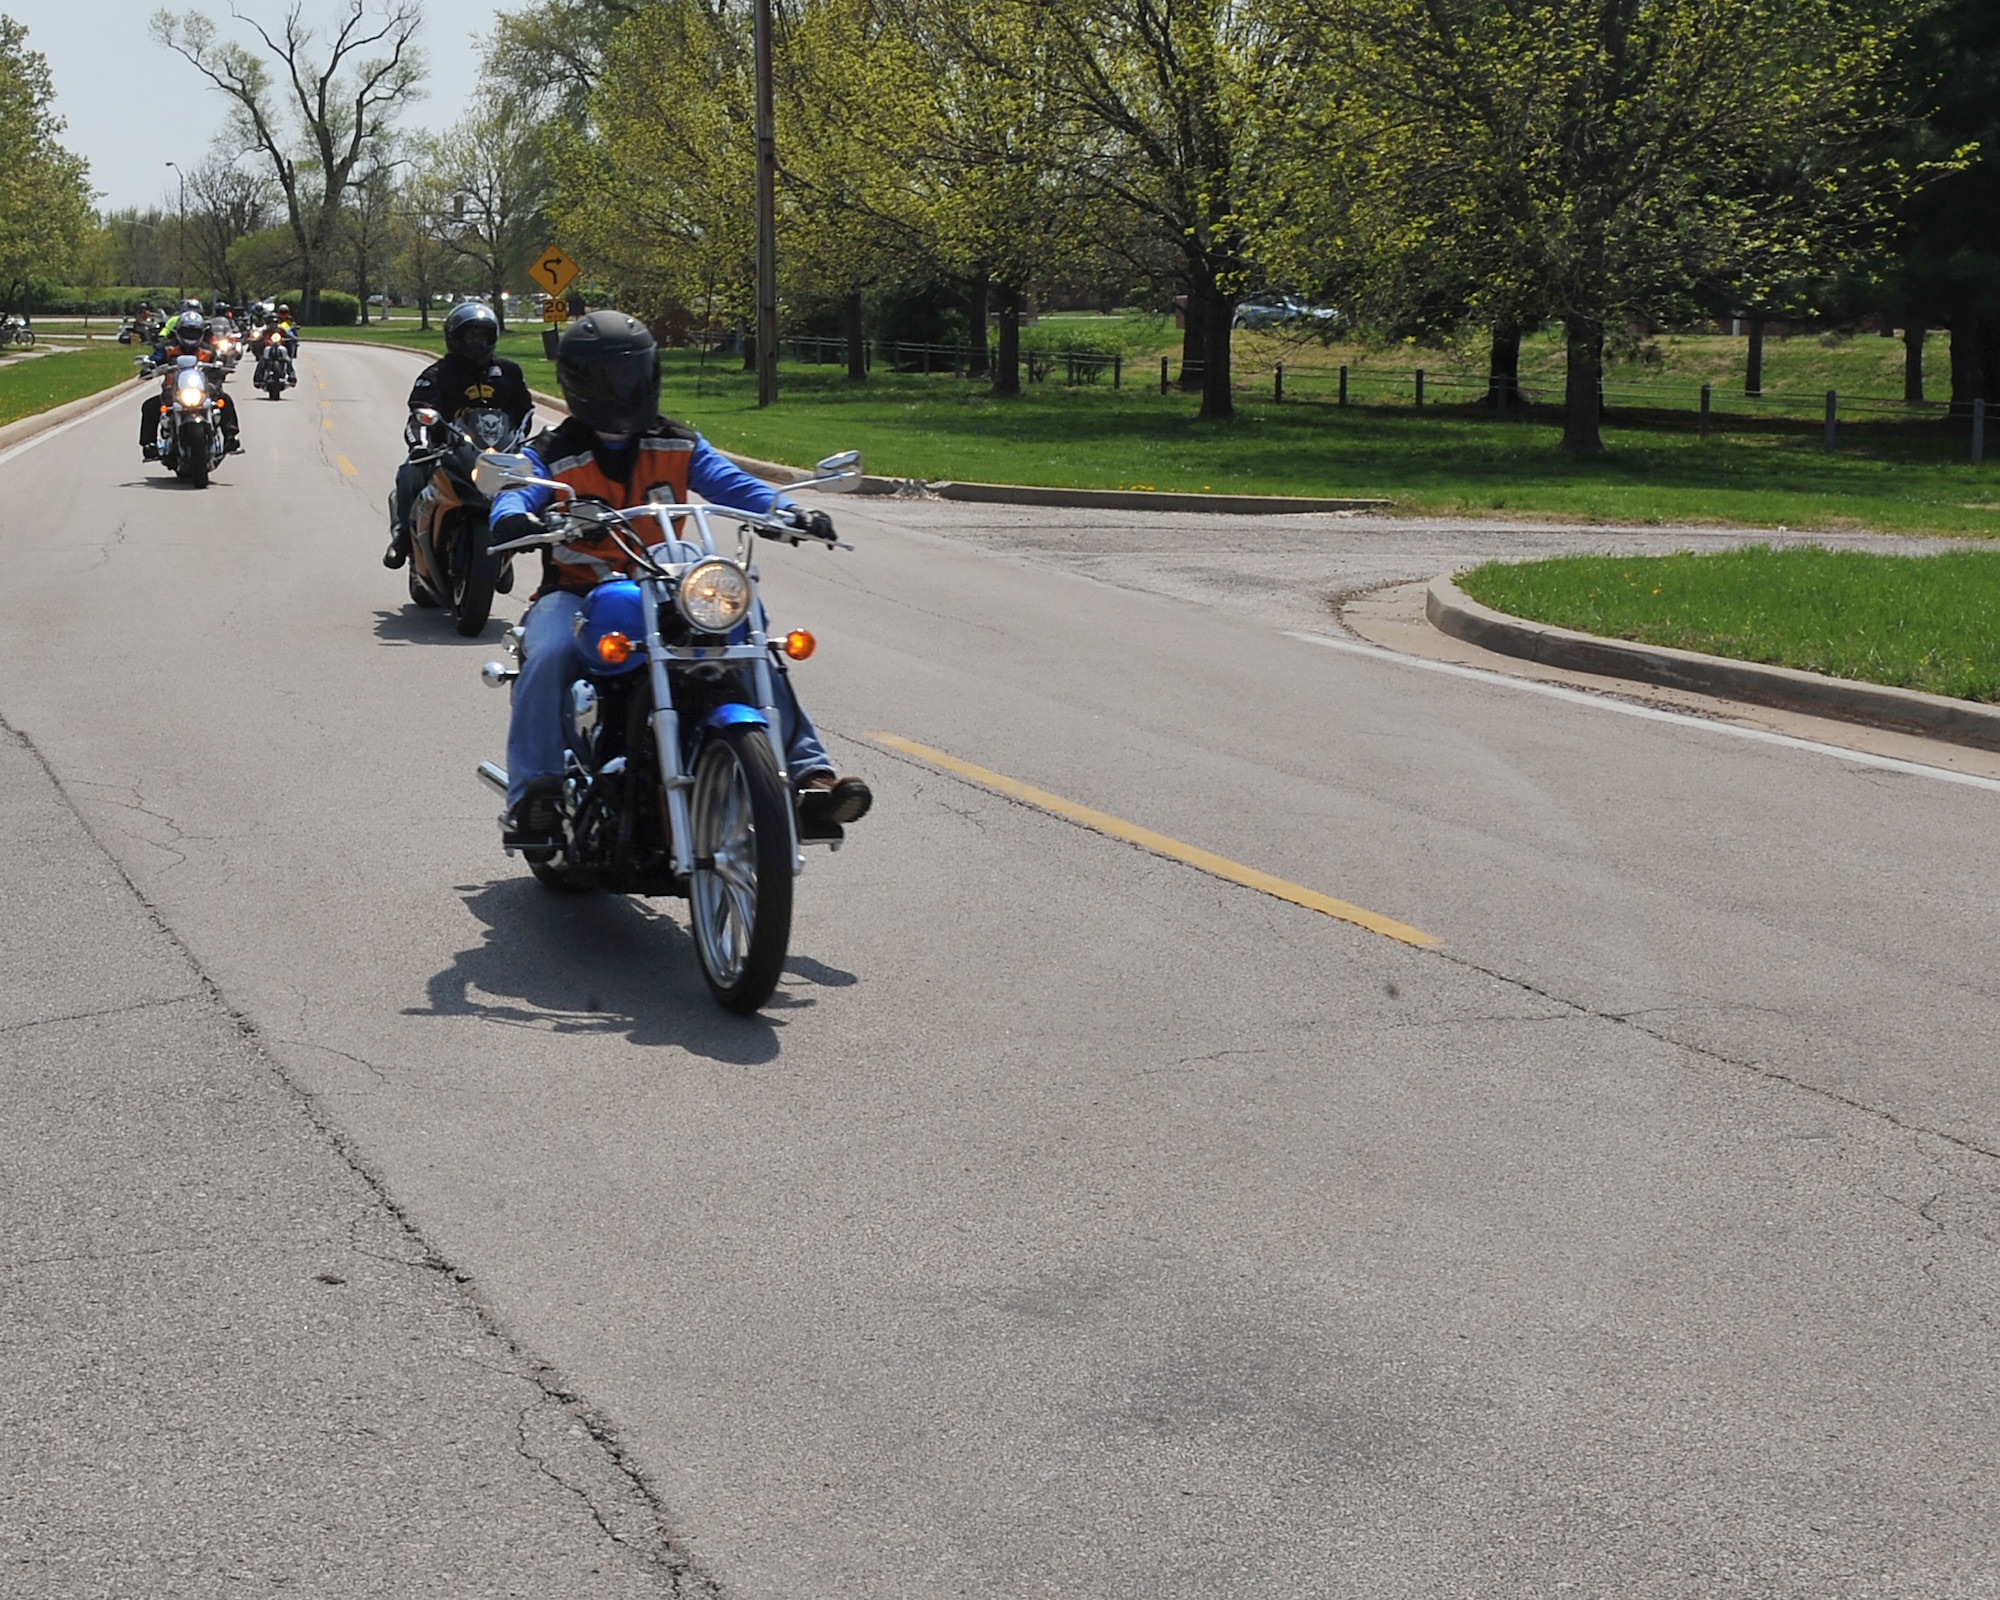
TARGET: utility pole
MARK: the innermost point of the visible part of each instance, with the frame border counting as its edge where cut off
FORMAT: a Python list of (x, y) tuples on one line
[(181, 232), (767, 215)]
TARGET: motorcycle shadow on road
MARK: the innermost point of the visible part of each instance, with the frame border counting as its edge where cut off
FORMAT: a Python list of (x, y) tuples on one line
[(414, 624), (591, 964)]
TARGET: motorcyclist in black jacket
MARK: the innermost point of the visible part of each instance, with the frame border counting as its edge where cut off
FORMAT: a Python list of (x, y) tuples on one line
[(469, 376)]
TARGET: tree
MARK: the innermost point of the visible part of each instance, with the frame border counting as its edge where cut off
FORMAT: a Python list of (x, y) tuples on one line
[(1601, 159), (418, 254), (331, 112), (654, 186), (491, 166), (1949, 269), (45, 213), (551, 55), (227, 204), (1162, 93)]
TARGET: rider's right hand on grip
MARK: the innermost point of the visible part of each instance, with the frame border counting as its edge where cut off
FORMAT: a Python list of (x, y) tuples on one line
[(520, 525)]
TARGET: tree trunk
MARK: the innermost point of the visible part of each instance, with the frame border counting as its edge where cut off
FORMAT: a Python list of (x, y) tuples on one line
[(1218, 399), (1503, 368), (1913, 359), (1193, 340), (857, 340), (1007, 360), (495, 286), (976, 300), (1753, 374), (1966, 375), (1585, 338)]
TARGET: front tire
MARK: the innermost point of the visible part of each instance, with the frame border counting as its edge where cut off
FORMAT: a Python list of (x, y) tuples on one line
[(475, 569), (740, 894)]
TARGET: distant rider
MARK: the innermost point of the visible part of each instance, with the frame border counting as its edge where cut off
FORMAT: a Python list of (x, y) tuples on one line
[(470, 376), (189, 338), (615, 446)]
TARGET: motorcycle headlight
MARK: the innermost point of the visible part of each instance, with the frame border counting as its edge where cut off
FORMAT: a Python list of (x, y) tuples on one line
[(714, 595), (193, 395)]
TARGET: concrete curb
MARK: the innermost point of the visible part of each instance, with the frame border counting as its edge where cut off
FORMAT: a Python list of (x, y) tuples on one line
[(1012, 494), (1451, 611), (22, 429), (1147, 499)]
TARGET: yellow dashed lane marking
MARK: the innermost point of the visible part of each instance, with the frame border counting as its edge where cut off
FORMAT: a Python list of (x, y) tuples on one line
[(1160, 845), (345, 465), (326, 423)]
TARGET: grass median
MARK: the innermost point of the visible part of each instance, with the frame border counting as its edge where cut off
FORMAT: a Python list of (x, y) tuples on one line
[(1900, 474), (41, 383), (1913, 622)]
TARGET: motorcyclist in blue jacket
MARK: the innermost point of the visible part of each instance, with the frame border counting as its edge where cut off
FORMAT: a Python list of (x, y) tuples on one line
[(616, 447)]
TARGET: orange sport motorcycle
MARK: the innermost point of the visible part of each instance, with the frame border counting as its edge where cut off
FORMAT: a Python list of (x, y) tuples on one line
[(451, 564)]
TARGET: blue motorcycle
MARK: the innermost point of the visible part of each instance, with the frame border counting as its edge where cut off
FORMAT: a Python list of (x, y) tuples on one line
[(675, 778)]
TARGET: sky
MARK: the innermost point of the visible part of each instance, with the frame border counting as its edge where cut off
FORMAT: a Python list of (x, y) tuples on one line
[(132, 106)]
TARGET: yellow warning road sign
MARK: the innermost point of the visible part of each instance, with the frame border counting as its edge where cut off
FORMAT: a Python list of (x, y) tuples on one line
[(553, 271)]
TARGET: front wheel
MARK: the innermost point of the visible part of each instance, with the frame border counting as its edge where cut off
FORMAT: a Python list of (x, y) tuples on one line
[(475, 569), (741, 891)]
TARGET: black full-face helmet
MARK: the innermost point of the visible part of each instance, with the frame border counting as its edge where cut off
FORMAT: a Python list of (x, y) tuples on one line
[(609, 369), (190, 331), (471, 331)]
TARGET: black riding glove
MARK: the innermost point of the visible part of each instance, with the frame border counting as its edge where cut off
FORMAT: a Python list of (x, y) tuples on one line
[(520, 525), (810, 524)]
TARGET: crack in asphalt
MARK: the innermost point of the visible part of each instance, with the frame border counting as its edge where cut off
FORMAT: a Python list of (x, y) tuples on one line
[(655, 1548), (1758, 1069), (672, 1566), (104, 1011)]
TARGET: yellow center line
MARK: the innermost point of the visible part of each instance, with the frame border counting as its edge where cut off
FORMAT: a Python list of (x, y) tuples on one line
[(326, 423), (345, 465), (1159, 844)]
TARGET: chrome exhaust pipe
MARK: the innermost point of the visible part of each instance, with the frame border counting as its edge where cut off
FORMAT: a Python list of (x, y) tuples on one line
[(493, 777)]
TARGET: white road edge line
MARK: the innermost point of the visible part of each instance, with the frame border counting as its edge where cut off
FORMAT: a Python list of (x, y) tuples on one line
[(1452, 669), (64, 427)]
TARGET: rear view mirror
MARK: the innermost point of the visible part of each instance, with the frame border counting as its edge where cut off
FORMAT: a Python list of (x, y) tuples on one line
[(836, 474), (495, 472)]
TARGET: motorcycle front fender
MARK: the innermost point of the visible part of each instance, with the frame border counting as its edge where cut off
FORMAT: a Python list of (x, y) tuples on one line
[(734, 716)]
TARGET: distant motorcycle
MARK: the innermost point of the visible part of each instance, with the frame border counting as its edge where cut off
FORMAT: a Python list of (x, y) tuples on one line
[(675, 779), (15, 330), (190, 434), (451, 564), (275, 372)]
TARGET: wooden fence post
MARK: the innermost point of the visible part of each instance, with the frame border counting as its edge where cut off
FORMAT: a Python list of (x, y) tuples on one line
[(1278, 382), (1343, 386), (1707, 408), (1832, 413), (1163, 374), (1420, 388)]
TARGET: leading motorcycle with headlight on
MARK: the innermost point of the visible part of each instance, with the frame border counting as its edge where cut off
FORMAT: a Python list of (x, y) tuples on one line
[(190, 430), (675, 778)]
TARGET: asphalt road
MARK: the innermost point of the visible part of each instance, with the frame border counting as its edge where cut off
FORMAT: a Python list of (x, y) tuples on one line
[(1075, 1222)]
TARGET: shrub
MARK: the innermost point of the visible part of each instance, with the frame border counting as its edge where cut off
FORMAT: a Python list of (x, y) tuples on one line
[(336, 309)]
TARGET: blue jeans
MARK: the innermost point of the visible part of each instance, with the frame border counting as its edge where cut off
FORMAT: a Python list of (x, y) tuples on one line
[(539, 730)]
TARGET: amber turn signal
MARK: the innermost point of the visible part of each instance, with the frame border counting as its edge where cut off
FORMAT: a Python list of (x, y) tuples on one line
[(614, 649), (799, 644)]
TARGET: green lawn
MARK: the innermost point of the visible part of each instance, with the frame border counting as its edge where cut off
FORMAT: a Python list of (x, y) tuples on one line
[(1895, 473), (30, 387), (1917, 622)]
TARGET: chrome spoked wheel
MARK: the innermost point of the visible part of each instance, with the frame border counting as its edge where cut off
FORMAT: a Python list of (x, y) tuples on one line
[(741, 891)]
